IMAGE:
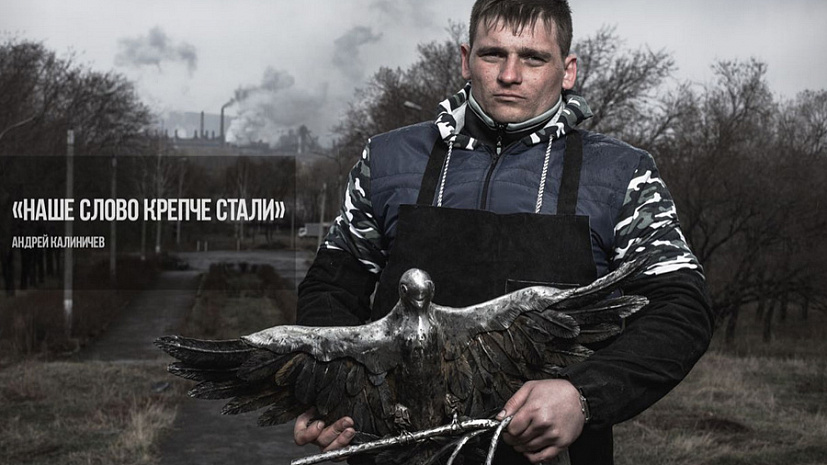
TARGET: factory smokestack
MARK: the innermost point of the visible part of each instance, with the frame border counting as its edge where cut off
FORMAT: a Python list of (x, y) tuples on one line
[(221, 131), (202, 124)]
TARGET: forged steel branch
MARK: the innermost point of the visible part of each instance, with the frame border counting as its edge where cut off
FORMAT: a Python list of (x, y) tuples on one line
[(450, 429)]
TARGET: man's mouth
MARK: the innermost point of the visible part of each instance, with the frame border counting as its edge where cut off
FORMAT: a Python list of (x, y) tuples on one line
[(508, 97)]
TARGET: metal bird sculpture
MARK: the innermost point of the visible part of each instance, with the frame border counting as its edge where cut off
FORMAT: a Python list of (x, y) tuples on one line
[(421, 366)]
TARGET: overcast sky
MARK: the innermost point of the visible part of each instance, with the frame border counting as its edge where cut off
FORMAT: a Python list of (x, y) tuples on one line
[(300, 60)]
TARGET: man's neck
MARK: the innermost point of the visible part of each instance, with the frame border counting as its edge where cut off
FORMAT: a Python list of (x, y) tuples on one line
[(480, 125)]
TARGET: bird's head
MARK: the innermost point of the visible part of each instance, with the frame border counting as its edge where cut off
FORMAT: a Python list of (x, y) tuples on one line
[(416, 290)]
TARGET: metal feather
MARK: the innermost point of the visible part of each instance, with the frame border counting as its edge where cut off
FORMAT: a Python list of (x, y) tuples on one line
[(255, 401), (355, 380), (598, 333), (287, 374), (282, 410), (201, 374), (201, 353), (222, 389), (262, 364), (331, 394), (304, 381), (608, 311)]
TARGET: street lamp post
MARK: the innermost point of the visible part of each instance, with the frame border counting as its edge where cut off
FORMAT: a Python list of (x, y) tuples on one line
[(113, 228), (182, 168), (68, 260), (158, 194), (322, 231), (412, 105)]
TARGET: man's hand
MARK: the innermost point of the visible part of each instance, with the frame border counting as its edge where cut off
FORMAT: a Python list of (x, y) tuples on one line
[(335, 436), (547, 418)]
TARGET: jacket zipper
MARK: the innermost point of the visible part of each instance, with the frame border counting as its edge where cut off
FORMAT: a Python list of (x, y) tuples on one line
[(500, 132)]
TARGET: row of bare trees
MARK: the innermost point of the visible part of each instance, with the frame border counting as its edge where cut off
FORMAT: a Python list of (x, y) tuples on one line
[(748, 173), (43, 96), (746, 168)]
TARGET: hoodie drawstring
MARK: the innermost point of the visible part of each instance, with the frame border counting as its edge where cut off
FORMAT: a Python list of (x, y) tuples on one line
[(445, 171)]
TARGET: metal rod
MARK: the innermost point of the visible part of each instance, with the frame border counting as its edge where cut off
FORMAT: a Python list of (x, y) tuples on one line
[(462, 443), (407, 438), (496, 438)]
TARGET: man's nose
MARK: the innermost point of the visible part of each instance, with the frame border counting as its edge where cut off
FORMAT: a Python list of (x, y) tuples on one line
[(511, 72)]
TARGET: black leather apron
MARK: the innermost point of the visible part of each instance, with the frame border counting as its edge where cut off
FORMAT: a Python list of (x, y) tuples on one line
[(475, 255)]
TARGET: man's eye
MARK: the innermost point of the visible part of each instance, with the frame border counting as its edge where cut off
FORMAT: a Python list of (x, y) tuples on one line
[(490, 55)]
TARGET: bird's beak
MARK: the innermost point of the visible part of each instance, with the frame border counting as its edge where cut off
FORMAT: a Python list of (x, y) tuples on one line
[(420, 298)]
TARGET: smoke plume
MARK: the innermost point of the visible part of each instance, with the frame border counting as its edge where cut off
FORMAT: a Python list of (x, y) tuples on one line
[(346, 51), (416, 12), (154, 48), (267, 111)]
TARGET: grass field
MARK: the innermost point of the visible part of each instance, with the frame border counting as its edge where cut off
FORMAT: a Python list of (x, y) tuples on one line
[(84, 413), (753, 403)]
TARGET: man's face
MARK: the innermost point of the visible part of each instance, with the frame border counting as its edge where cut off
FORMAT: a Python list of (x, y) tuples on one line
[(516, 77)]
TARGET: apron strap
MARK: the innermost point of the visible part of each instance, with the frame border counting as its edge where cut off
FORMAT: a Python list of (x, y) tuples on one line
[(570, 182), (431, 177)]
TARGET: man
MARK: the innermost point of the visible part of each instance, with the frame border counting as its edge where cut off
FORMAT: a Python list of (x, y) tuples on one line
[(502, 192)]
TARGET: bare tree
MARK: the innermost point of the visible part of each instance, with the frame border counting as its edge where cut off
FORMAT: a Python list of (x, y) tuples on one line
[(43, 96), (623, 87), (380, 106), (33, 80), (744, 191)]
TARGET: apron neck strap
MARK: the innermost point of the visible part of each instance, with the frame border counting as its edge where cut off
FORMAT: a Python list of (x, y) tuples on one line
[(427, 189), (569, 184)]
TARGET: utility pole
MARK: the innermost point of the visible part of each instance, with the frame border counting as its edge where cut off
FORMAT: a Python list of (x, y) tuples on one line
[(113, 229), (158, 187), (182, 168), (68, 260), (293, 224), (321, 216)]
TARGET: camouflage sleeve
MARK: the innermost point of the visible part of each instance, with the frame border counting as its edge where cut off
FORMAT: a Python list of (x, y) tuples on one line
[(356, 230), (648, 225), (661, 343)]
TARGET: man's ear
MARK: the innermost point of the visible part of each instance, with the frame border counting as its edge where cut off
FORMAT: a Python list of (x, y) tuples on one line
[(569, 71), (465, 52)]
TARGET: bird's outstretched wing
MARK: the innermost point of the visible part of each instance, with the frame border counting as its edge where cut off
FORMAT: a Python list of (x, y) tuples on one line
[(461, 325), (492, 348), (341, 371)]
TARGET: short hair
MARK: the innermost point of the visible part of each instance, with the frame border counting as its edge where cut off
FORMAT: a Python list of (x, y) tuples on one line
[(521, 13)]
